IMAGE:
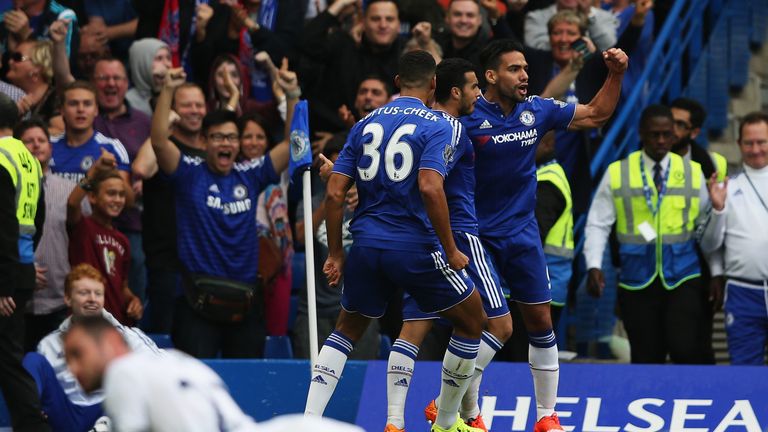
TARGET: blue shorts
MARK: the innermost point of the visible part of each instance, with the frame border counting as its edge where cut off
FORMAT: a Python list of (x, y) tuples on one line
[(520, 262), (372, 275), (482, 273), (746, 321), (560, 270)]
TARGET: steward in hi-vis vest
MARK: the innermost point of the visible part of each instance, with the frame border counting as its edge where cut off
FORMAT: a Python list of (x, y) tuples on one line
[(654, 197), (22, 211)]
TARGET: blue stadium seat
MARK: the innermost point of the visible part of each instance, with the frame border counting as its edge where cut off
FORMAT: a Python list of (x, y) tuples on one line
[(161, 340), (278, 347), (385, 346)]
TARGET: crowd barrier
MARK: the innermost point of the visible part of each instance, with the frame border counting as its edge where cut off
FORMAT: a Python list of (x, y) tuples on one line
[(593, 397)]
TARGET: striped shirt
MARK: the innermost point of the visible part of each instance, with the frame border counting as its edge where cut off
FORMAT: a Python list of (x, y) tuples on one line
[(52, 348), (73, 162), (52, 252)]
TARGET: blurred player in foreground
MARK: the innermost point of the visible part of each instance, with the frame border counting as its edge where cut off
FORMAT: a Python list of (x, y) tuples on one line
[(171, 393)]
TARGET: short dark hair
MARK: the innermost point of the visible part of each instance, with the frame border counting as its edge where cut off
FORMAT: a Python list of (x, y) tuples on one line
[(9, 112), (101, 177), (77, 85), (376, 77), (752, 118), (93, 325), (653, 111), (370, 2), (451, 73), (490, 56), (697, 111), (110, 59), (218, 117), (416, 69), (25, 125)]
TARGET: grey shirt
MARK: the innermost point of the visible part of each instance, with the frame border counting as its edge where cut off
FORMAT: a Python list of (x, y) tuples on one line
[(52, 252)]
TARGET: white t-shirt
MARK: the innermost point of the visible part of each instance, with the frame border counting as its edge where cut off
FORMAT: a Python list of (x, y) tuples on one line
[(174, 392)]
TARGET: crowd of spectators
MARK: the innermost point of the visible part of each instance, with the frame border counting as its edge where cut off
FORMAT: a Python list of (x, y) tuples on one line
[(125, 103)]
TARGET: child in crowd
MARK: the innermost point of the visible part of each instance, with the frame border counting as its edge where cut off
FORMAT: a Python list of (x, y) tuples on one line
[(95, 241)]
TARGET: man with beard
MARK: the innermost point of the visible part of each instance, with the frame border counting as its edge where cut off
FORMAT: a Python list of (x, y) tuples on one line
[(505, 129), (689, 118)]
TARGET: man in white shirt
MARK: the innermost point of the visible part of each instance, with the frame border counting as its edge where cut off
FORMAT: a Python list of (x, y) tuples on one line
[(67, 406), (173, 392), (655, 199), (738, 223)]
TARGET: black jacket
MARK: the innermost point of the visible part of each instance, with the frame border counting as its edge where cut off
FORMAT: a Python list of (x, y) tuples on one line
[(334, 66)]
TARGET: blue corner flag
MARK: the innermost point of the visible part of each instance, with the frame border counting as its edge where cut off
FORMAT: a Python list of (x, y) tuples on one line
[(301, 148)]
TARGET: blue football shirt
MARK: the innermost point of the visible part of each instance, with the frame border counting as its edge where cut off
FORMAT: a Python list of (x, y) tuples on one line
[(505, 159), (74, 162), (216, 216), (383, 154), (460, 183)]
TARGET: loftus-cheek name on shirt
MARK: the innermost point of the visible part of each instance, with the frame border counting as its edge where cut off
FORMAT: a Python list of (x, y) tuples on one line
[(396, 110), (526, 137), (230, 208)]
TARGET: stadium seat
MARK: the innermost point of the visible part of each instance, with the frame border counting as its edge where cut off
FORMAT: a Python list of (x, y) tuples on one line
[(162, 340), (385, 346), (278, 347)]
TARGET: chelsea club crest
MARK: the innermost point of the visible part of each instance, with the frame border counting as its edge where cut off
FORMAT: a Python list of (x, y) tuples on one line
[(86, 163), (240, 192), (527, 118), (299, 145)]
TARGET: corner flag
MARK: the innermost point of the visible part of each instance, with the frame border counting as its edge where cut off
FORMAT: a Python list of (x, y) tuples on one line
[(301, 148)]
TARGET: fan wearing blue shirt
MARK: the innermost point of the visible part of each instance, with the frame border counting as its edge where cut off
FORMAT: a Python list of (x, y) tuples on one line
[(397, 156), (74, 152), (505, 129), (215, 202)]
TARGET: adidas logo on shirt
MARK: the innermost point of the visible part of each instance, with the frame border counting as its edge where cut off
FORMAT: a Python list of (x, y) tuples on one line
[(402, 383), (319, 379), (485, 125), (214, 188)]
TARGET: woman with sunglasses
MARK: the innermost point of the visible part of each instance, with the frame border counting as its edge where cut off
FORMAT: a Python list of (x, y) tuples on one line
[(31, 69)]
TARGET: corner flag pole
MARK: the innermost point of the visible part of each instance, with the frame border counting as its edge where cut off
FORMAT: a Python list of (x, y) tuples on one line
[(309, 249), (301, 159)]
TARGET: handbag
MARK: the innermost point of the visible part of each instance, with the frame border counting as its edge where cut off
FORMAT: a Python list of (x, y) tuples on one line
[(220, 299), (270, 260)]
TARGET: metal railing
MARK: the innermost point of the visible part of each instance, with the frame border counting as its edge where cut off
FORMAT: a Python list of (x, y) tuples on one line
[(681, 64)]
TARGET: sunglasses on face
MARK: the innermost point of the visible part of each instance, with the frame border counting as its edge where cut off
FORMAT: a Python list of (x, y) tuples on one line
[(18, 57)]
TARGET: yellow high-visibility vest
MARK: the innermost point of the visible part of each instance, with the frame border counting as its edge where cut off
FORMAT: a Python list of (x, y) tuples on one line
[(559, 241), (672, 255), (26, 174)]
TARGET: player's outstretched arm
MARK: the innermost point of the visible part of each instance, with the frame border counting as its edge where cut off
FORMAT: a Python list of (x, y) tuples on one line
[(336, 193), (433, 195), (601, 107), (168, 155)]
